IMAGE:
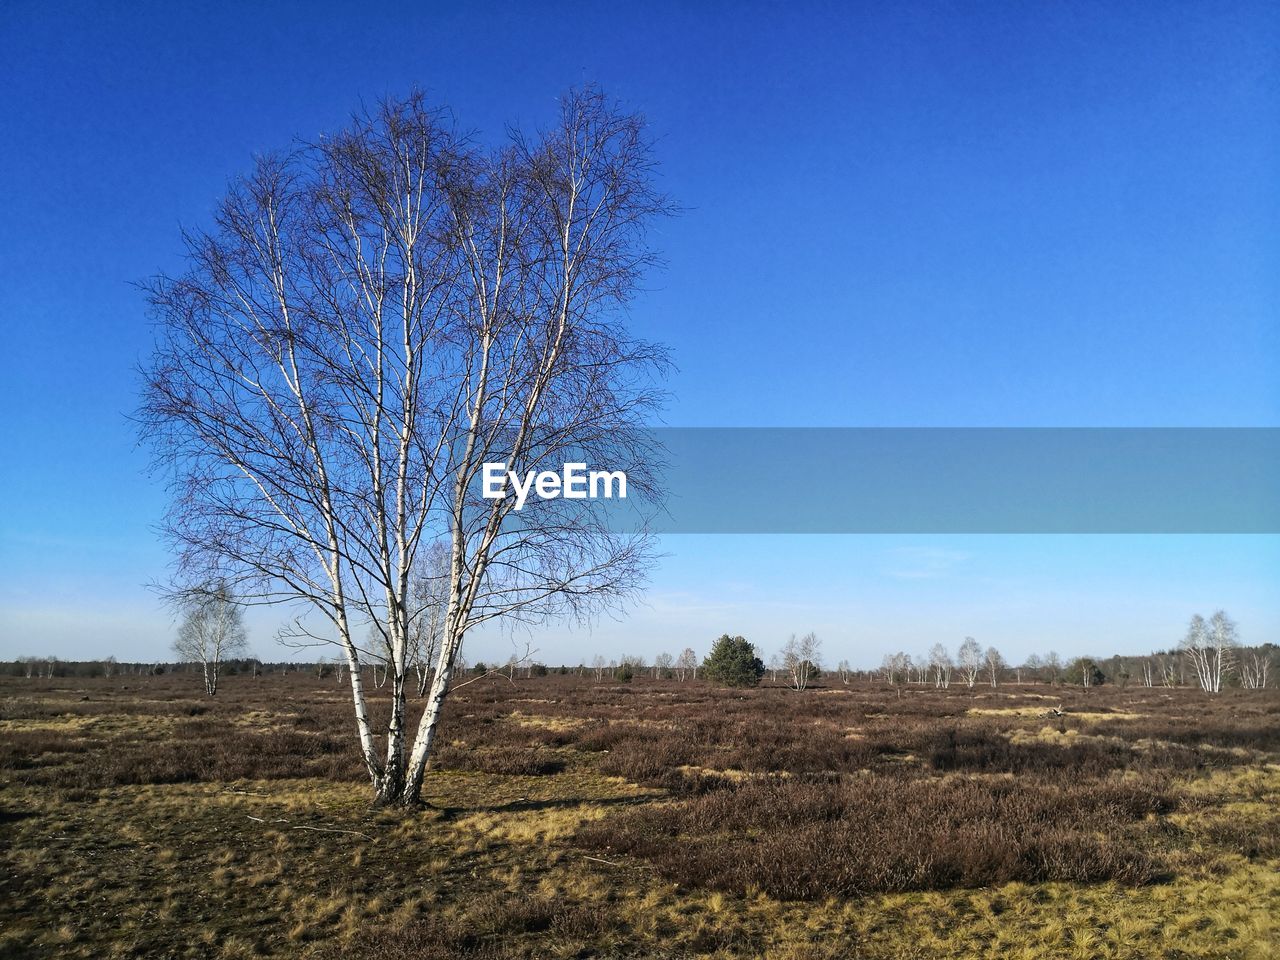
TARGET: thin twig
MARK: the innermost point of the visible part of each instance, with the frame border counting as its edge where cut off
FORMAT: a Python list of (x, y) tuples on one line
[(355, 833)]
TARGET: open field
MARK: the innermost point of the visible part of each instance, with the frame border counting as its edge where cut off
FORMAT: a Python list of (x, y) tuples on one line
[(570, 818)]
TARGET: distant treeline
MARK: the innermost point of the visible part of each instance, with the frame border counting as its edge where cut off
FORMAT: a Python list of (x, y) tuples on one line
[(111, 667), (1250, 667)]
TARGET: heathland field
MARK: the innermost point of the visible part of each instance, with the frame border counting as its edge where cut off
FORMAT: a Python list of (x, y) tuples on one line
[(575, 818)]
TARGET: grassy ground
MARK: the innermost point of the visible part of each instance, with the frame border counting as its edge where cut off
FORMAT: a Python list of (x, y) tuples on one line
[(569, 818)]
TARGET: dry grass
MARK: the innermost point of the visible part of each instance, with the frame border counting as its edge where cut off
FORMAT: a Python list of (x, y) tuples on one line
[(654, 819)]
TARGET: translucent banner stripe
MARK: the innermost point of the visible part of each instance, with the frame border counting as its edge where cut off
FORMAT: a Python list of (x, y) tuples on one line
[(941, 480)]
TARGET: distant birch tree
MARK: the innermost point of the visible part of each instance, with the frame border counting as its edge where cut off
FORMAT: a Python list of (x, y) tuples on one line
[(1053, 666), (800, 659), (686, 664), (774, 667), (662, 665), (994, 664), (1255, 666), (428, 609), (371, 319), (940, 665), (969, 660), (896, 667), (1210, 647), (212, 630)]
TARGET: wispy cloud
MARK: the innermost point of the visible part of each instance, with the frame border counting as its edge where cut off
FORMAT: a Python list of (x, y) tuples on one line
[(923, 563)]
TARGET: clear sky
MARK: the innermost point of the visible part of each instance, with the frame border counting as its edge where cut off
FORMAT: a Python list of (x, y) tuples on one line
[(914, 214)]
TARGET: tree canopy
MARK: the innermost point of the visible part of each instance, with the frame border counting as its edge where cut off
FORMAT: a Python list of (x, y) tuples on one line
[(733, 662)]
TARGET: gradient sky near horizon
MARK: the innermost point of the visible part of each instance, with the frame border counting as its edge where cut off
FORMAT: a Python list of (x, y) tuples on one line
[(915, 214)]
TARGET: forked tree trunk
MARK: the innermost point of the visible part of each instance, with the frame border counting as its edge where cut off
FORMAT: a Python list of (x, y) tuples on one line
[(411, 794), (389, 786), (462, 296)]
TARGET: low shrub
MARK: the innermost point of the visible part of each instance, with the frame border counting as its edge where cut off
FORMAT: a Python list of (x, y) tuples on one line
[(509, 761), (487, 930), (799, 840)]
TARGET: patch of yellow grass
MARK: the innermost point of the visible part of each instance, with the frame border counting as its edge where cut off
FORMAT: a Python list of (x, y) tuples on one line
[(63, 724), (529, 826), (728, 772), (1039, 711), (266, 720), (541, 722)]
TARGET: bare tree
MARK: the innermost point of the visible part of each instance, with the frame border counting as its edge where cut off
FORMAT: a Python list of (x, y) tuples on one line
[(1209, 647), (994, 664), (380, 678), (940, 665), (686, 664), (1255, 665), (969, 660), (428, 609), (922, 667), (844, 669), (1033, 666), (662, 665), (800, 659), (1053, 665), (371, 320), (775, 667), (1224, 638), (896, 667), (1089, 671), (212, 630), (427, 605), (599, 667)]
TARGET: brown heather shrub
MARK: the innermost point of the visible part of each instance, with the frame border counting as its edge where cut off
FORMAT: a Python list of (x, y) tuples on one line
[(545, 737), (846, 789), (598, 737), (1243, 730), (1251, 837), (800, 840), (647, 756), (216, 752), (489, 930), (511, 761), (986, 750), (27, 749)]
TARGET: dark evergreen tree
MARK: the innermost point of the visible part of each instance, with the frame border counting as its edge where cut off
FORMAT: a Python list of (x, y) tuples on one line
[(733, 663)]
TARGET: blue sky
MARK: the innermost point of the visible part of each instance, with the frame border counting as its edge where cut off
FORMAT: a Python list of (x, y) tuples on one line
[(896, 215)]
